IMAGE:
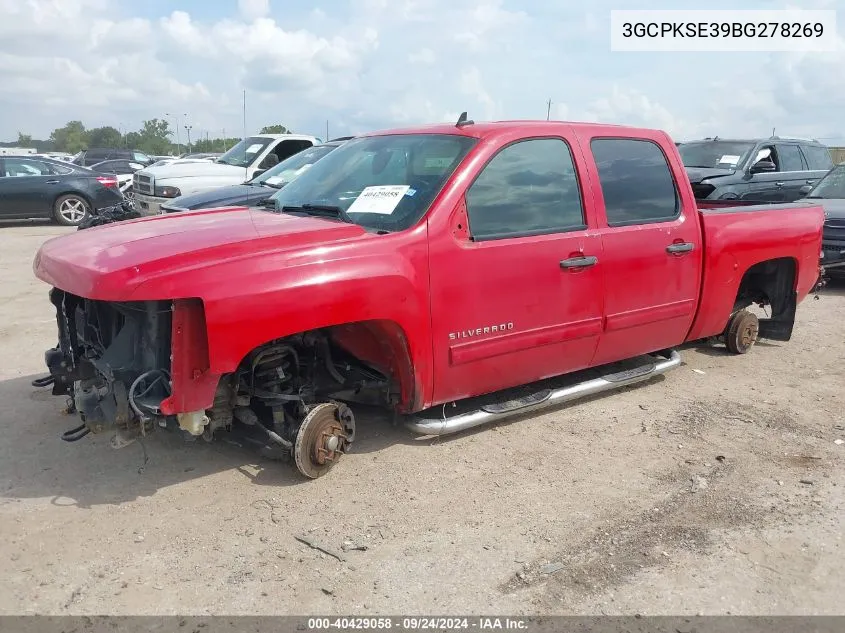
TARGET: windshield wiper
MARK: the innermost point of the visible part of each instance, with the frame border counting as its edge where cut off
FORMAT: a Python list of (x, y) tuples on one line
[(320, 210)]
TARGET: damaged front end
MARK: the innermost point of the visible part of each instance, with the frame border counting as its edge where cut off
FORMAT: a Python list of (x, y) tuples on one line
[(132, 367), (112, 361)]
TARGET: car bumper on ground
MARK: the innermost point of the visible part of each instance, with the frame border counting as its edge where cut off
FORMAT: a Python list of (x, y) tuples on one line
[(149, 205)]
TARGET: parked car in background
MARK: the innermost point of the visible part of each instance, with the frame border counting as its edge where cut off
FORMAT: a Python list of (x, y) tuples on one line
[(175, 160), (62, 156), (155, 186), (95, 155), (829, 192), (260, 189), (36, 187), (203, 155), (124, 170), (757, 170)]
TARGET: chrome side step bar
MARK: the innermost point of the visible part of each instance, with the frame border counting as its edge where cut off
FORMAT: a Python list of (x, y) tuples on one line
[(542, 399)]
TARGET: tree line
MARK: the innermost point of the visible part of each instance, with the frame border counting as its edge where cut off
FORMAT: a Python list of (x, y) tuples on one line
[(154, 137)]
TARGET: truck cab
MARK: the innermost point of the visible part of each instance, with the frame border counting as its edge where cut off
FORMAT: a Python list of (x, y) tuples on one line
[(155, 186)]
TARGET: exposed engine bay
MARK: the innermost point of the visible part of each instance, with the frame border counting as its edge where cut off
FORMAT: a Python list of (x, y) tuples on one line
[(113, 364)]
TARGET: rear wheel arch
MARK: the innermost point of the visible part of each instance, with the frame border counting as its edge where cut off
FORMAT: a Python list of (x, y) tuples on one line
[(772, 282)]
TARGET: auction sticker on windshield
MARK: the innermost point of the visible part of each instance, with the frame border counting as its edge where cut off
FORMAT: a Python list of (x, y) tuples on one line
[(382, 199), (730, 159)]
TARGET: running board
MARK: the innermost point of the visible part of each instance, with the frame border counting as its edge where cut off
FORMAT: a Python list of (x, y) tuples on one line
[(543, 398)]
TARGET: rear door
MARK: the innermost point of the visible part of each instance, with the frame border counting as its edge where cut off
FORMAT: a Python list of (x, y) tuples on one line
[(818, 162), (651, 246), (793, 172), (516, 296)]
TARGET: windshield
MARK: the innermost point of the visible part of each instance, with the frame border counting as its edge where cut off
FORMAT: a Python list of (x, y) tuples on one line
[(715, 154), (291, 167), (832, 185), (244, 153), (380, 182)]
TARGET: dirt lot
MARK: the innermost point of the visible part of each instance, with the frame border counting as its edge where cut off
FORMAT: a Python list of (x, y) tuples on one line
[(717, 489)]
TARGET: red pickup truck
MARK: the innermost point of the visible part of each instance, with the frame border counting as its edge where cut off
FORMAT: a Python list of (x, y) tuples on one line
[(473, 265)]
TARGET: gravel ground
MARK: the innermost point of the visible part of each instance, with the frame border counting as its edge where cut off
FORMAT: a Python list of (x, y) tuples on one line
[(716, 489)]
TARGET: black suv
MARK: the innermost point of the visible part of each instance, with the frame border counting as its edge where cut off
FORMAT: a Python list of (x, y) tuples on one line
[(96, 155), (755, 171)]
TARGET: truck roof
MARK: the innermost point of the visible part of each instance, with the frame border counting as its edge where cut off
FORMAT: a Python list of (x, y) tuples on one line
[(485, 128)]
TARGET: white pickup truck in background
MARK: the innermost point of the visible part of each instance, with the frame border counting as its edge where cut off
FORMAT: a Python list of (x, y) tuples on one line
[(155, 186)]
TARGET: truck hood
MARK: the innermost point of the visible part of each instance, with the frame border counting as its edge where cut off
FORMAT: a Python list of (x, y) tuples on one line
[(699, 174), (192, 170), (834, 208), (110, 262), (231, 195)]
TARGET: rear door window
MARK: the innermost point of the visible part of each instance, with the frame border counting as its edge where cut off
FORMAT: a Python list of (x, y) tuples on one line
[(790, 157), (636, 181)]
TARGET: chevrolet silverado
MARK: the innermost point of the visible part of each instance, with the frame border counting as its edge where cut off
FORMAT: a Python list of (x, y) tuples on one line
[(456, 274)]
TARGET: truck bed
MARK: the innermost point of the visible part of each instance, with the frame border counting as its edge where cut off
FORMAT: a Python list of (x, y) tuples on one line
[(738, 237)]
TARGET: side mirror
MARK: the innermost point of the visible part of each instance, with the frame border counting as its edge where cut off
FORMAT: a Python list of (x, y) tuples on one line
[(763, 166), (806, 189)]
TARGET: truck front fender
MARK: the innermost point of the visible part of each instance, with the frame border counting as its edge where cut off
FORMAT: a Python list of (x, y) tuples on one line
[(376, 306)]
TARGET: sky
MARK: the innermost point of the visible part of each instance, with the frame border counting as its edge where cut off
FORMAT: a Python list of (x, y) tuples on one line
[(374, 64)]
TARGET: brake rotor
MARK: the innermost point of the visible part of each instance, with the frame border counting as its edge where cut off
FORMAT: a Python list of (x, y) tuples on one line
[(323, 437), (742, 332)]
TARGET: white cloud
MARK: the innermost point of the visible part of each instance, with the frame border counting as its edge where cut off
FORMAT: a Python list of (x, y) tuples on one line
[(482, 24), (254, 9), (365, 64), (472, 85), (422, 56)]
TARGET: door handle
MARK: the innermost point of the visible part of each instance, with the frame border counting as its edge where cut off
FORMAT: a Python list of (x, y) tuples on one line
[(809, 182), (579, 262), (680, 247), (52, 182), (778, 184)]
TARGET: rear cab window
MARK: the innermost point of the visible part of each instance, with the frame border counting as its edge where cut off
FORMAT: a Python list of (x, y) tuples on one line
[(636, 181)]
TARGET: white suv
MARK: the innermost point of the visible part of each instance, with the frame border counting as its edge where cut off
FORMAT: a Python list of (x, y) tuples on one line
[(155, 186)]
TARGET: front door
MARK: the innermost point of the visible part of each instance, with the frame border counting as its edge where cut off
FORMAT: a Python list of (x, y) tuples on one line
[(24, 187), (652, 249), (516, 295)]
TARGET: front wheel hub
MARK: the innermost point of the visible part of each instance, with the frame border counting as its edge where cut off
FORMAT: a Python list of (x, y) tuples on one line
[(324, 436)]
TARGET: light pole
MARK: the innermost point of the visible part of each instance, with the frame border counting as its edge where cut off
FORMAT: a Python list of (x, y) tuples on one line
[(188, 128), (178, 144)]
